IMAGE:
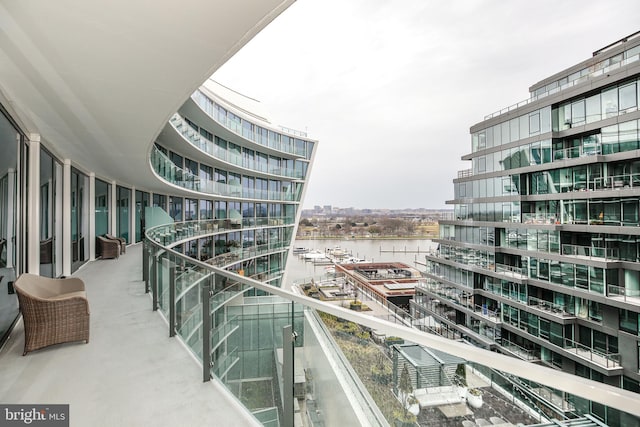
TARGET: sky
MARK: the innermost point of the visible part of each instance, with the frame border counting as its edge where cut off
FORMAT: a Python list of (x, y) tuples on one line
[(391, 88)]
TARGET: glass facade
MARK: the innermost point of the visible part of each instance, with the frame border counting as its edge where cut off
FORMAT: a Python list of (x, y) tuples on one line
[(50, 204), (123, 216), (79, 218), (541, 261), (10, 221)]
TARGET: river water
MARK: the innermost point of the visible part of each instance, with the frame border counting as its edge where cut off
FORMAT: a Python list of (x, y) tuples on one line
[(369, 249)]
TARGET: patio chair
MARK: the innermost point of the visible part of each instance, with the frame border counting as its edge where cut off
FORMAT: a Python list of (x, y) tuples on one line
[(55, 311), (123, 242), (108, 248)]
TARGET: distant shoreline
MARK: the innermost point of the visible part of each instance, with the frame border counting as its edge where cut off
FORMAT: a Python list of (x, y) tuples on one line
[(366, 238)]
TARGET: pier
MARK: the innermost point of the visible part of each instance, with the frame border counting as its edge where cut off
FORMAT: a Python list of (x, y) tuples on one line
[(393, 250)]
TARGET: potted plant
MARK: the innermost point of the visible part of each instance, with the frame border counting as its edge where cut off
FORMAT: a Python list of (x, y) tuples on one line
[(474, 398)]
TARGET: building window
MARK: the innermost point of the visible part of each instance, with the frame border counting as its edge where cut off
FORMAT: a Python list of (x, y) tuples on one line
[(102, 201), (122, 219), (628, 97)]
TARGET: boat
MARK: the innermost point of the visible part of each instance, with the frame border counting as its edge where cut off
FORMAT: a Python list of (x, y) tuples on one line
[(311, 255)]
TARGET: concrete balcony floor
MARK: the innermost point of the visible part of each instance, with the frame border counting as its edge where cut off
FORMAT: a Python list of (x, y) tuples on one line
[(129, 374)]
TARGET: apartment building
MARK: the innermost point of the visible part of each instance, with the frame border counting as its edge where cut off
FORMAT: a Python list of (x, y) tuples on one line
[(542, 259)]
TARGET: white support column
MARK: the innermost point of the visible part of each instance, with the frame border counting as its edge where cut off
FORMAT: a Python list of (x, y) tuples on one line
[(92, 216), (132, 216), (66, 218), (33, 206), (59, 220), (113, 209)]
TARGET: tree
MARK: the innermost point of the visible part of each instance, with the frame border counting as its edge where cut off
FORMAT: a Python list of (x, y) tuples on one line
[(405, 390)]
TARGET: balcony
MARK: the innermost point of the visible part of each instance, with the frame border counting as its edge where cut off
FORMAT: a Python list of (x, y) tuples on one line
[(556, 310), (129, 373), (131, 370), (622, 294), (180, 177), (192, 136), (616, 182), (605, 359), (589, 73), (591, 252)]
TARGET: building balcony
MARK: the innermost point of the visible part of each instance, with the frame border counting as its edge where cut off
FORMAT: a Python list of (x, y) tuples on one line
[(192, 136), (131, 370), (605, 359), (129, 373), (610, 362), (556, 310), (587, 74), (591, 252), (180, 177), (180, 232), (619, 293), (518, 351), (287, 142)]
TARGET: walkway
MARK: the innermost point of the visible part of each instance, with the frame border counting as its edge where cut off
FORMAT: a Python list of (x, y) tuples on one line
[(130, 374)]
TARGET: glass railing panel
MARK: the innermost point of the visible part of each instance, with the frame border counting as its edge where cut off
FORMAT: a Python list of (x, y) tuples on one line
[(603, 358), (344, 367), (185, 179), (203, 101), (591, 252)]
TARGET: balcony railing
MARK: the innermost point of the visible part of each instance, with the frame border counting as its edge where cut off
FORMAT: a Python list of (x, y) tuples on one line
[(485, 312), (576, 152), (591, 252), (519, 351), (599, 357), (169, 234), (465, 173), (169, 171), (549, 307), (533, 218), (616, 182), (191, 307), (564, 86), (511, 270), (209, 147), (628, 295), (251, 131)]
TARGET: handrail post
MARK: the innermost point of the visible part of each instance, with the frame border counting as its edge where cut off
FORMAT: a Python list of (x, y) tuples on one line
[(288, 345), (153, 272), (145, 266), (172, 299), (154, 286), (206, 332)]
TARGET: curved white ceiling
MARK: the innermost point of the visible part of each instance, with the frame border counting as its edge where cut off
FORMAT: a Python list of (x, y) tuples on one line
[(98, 80)]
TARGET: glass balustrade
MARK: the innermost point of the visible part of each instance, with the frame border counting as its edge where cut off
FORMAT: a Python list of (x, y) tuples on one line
[(543, 93), (170, 172), (253, 132), (209, 147), (591, 252), (237, 335)]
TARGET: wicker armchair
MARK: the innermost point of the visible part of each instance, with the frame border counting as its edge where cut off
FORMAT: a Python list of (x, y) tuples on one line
[(55, 311), (123, 242), (108, 248)]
